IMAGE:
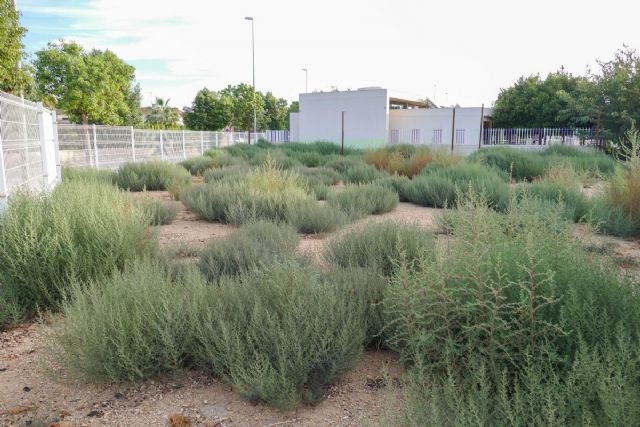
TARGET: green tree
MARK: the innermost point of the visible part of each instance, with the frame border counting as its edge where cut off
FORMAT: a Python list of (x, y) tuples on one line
[(242, 111), (209, 111), (293, 108), (276, 112), (162, 115), (560, 100), (618, 94), (13, 77), (91, 87)]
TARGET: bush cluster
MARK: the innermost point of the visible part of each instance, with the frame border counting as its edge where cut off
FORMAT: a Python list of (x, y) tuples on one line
[(400, 159), (158, 212), (151, 176), (71, 173), (357, 201)]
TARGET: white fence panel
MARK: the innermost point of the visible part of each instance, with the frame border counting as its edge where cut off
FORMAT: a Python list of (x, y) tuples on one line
[(28, 159)]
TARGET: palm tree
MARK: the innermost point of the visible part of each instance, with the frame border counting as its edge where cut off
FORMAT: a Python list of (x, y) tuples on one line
[(163, 115)]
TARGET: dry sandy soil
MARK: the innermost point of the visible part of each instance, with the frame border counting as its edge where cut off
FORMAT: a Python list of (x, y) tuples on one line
[(30, 396)]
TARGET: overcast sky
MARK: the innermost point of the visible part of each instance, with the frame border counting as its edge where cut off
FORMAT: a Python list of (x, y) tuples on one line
[(456, 51)]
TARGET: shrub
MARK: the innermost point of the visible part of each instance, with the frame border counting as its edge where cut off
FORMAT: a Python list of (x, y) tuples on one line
[(309, 217), (379, 246), (82, 231), (419, 161), (400, 184), (431, 190), (278, 335), (401, 159), (198, 165), (310, 159), (248, 247), (276, 157), (158, 212), (151, 176), (229, 173), (574, 204), (71, 173), (514, 322), (519, 164), (362, 174), (320, 175), (361, 200), (342, 164), (131, 326)]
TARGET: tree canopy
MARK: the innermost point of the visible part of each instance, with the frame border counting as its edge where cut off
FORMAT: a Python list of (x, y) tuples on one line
[(13, 77), (91, 87), (233, 107), (162, 115)]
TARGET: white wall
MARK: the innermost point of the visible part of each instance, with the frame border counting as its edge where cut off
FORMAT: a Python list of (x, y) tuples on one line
[(294, 127), (366, 118)]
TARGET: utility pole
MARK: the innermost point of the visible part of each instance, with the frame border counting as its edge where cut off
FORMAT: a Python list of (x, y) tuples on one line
[(253, 60)]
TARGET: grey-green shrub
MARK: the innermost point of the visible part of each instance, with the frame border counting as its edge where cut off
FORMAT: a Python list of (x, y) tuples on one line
[(130, 326), (72, 173), (226, 174), (575, 204), (310, 217), (159, 212), (360, 200), (379, 246), (519, 164), (400, 184), (362, 174), (432, 190), (151, 176), (82, 231), (342, 164), (198, 165), (248, 247), (278, 335)]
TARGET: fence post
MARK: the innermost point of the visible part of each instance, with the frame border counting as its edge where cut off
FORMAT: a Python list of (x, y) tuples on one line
[(216, 139), (453, 128), (95, 147), (56, 145), (161, 147), (4, 191), (184, 147), (201, 143), (43, 146), (133, 145)]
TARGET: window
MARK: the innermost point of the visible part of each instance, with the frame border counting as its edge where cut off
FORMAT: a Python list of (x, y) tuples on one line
[(415, 136), (394, 138), (460, 135), (437, 136)]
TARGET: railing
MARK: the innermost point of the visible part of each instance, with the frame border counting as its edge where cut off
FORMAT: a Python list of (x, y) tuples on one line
[(28, 146), (540, 136), (107, 147)]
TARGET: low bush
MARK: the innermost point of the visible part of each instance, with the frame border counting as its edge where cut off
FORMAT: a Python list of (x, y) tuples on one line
[(276, 157), (72, 173), (431, 190), (401, 159), (320, 175), (515, 323), (360, 200), (309, 217), (574, 204), (247, 248), (158, 212), (82, 231), (198, 165), (278, 335), (342, 164), (131, 326), (380, 246), (520, 165), (362, 174), (228, 173), (151, 176), (400, 184)]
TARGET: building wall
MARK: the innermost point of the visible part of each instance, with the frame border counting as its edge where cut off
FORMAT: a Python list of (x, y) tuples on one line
[(294, 127), (366, 117)]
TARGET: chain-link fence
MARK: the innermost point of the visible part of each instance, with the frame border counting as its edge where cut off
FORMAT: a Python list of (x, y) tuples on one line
[(107, 147), (28, 153)]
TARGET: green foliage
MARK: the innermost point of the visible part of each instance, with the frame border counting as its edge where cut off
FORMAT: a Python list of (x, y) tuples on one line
[(278, 335), (343, 164), (400, 184), (310, 218), (574, 204), (162, 116), (247, 248), (228, 173), (209, 111), (130, 326), (159, 212), (519, 164), (199, 165), (380, 246), (13, 78), (360, 200), (71, 173), (91, 87), (432, 190), (515, 319), (83, 231), (151, 176), (362, 174)]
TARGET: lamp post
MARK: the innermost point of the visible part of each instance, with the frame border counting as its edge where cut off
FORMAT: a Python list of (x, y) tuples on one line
[(253, 60), (306, 80)]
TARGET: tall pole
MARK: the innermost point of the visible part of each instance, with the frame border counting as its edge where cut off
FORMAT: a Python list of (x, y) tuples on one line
[(481, 127), (306, 80), (253, 60)]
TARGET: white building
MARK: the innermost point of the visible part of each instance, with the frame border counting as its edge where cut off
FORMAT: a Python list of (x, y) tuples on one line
[(372, 117)]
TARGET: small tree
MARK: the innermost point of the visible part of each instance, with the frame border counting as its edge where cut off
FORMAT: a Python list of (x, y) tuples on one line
[(13, 77)]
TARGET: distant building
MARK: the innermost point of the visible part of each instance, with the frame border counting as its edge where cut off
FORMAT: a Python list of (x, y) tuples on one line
[(374, 117)]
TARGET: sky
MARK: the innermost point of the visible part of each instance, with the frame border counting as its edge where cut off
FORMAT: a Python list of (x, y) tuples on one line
[(454, 52)]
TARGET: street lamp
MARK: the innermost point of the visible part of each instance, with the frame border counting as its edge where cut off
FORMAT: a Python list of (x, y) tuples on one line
[(306, 80), (253, 60)]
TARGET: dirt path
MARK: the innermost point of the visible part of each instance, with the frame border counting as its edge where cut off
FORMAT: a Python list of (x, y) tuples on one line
[(29, 396)]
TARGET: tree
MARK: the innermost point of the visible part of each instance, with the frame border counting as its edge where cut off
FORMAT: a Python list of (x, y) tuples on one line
[(293, 108), (14, 78), (276, 114), (162, 115), (560, 100), (242, 110), (91, 87), (618, 94), (209, 111)]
